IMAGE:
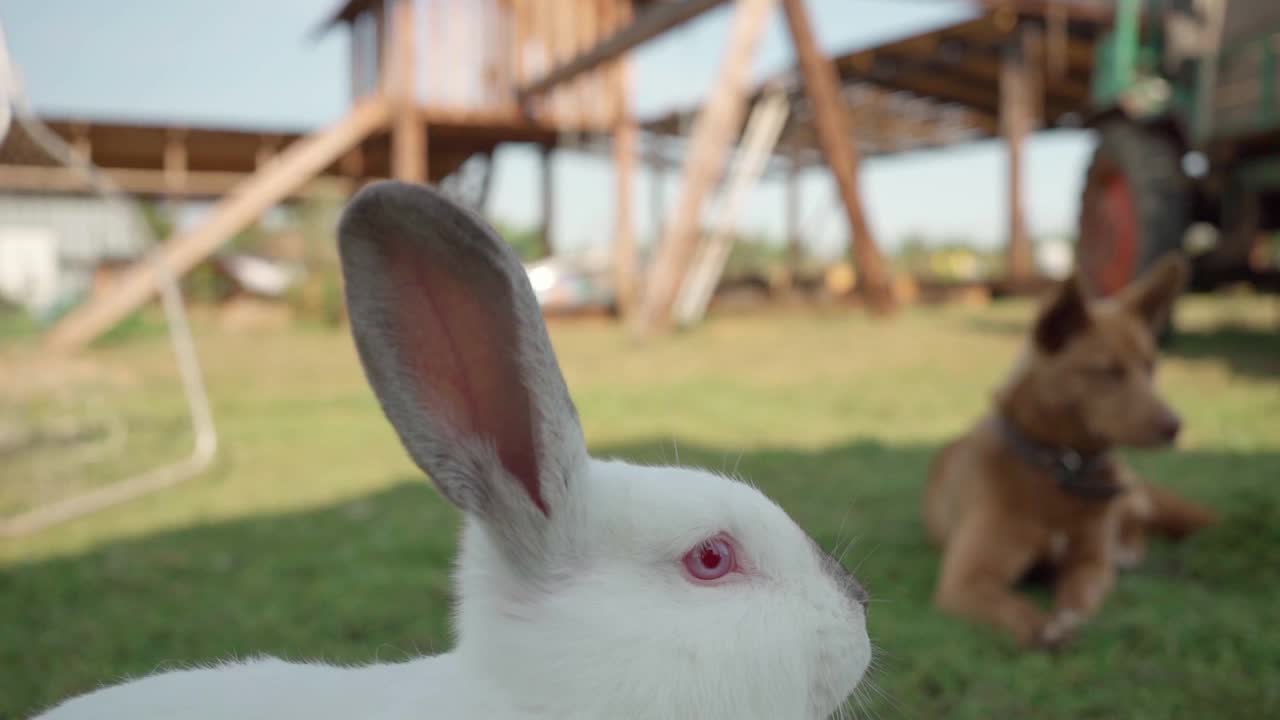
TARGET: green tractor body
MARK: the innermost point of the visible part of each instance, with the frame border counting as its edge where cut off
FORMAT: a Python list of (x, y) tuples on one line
[(1186, 102)]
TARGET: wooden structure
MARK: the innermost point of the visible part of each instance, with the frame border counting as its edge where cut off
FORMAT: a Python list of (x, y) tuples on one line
[(148, 159), (1014, 67), (714, 133), (437, 82), (829, 117), (433, 83)]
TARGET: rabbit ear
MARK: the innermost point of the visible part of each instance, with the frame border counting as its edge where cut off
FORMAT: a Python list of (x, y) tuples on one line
[(453, 342)]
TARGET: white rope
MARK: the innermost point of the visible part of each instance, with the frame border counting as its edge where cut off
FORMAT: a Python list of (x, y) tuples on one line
[(17, 110)]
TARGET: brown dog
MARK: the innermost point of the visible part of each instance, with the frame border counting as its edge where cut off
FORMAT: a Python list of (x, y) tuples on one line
[(1036, 483)]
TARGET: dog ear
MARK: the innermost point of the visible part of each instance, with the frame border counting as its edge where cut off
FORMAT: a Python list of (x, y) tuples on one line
[(1065, 315), (1151, 298)]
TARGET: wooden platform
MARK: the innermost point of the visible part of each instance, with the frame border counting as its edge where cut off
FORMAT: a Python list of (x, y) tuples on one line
[(205, 161), (942, 87)]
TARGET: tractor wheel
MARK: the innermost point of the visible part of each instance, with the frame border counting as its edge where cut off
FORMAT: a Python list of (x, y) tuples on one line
[(1136, 206)]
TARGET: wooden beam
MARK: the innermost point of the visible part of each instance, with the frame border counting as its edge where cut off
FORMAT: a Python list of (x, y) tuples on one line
[(981, 36), (409, 147), (385, 48), (486, 183), (345, 13), (136, 181), (1096, 11), (868, 114), (585, 33), (1016, 120), (657, 196), (649, 25), (624, 242), (352, 163), (713, 133), (822, 86), (175, 165), (976, 71), (792, 215), (547, 176), (408, 132), (519, 38), (928, 85), (872, 118), (175, 172), (358, 68), (562, 33), (1056, 22), (80, 143), (299, 163), (268, 148), (490, 61), (615, 13), (1030, 39)]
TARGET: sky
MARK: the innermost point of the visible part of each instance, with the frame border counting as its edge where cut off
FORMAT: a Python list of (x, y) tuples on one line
[(257, 64)]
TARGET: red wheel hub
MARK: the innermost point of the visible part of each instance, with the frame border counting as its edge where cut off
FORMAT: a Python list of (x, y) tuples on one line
[(1111, 235)]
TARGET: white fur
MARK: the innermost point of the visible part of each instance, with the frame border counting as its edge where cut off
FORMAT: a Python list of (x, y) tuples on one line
[(622, 634), (581, 610)]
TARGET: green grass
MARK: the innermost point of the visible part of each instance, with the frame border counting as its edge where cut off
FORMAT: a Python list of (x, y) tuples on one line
[(314, 537)]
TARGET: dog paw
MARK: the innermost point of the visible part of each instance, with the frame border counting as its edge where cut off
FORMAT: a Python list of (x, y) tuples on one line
[(1128, 557), (1059, 630)]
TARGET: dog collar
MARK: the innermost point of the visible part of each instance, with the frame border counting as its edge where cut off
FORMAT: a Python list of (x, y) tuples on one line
[(1073, 471)]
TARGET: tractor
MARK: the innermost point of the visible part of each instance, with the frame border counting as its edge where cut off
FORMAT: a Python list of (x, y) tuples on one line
[(1185, 101)]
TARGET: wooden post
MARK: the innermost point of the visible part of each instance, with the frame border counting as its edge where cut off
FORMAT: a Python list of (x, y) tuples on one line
[(822, 87), (408, 131), (586, 111), (553, 24), (486, 182), (268, 147), (436, 93), (352, 164), (385, 47), (792, 219), (519, 38), (81, 144), (1036, 66), (1016, 115), (1056, 62), (658, 19), (624, 161), (175, 166), (547, 173), (657, 197), (175, 175), (359, 63), (713, 134)]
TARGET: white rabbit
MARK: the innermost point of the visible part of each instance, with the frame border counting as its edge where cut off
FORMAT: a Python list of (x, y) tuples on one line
[(588, 589)]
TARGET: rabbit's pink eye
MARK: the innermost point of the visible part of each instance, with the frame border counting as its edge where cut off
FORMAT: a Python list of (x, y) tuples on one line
[(710, 560)]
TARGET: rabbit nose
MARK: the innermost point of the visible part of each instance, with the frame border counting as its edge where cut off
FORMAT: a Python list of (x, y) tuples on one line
[(848, 584), (860, 593)]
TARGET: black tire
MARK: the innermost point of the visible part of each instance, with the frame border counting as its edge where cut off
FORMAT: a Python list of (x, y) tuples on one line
[(1136, 205)]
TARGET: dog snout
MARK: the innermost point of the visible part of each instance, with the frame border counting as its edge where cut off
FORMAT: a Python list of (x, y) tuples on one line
[(1169, 426)]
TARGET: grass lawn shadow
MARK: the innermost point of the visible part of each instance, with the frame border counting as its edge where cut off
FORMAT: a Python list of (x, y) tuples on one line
[(368, 577), (1247, 351)]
